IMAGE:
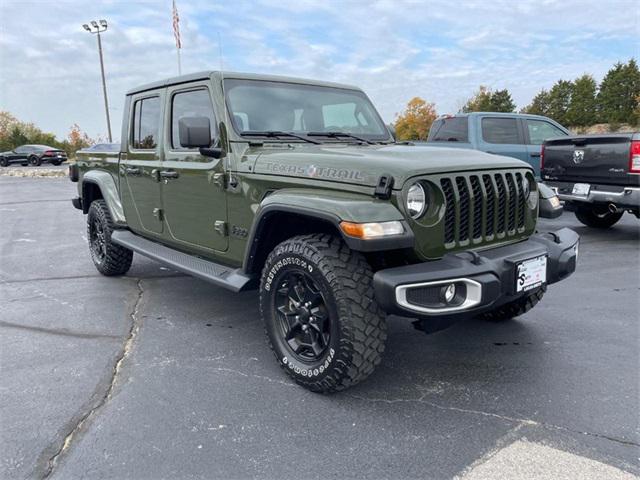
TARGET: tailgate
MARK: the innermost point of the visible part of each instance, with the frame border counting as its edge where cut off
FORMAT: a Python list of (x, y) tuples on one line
[(600, 159)]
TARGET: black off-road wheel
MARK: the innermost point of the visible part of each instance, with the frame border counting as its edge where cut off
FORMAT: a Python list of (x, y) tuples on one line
[(597, 216), (321, 319), (516, 308), (4, 162), (109, 258), (35, 161)]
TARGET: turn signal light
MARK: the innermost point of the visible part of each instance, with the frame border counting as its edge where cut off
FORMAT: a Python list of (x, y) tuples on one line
[(367, 231), (634, 157)]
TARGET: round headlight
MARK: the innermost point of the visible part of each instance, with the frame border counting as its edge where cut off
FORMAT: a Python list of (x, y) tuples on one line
[(416, 200)]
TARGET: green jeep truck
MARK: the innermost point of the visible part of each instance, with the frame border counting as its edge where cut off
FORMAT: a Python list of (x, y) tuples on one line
[(298, 189)]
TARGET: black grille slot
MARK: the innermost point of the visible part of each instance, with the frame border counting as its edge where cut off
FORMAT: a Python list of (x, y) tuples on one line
[(521, 201), (478, 200), (491, 199), (463, 192), (428, 296), (502, 203), (449, 213), (513, 201)]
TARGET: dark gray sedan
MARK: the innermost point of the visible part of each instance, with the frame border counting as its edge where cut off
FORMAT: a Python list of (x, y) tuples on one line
[(33, 155)]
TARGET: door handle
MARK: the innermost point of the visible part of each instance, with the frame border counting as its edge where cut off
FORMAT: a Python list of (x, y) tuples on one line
[(169, 174), (132, 170), (535, 155)]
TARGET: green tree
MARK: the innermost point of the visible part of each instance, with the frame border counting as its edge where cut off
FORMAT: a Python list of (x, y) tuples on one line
[(559, 101), (414, 123), (619, 90), (484, 100), (582, 110), (501, 101), (539, 105), (480, 102)]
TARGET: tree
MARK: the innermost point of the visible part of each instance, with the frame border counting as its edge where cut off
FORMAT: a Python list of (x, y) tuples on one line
[(539, 105), (480, 102), (582, 109), (619, 91), (77, 139), (484, 100), (559, 101), (501, 101), (414, 123)]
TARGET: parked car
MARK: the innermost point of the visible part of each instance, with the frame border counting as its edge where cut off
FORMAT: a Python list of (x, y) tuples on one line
[(597, 176), (515, 135), (297, 189), (33, 155)]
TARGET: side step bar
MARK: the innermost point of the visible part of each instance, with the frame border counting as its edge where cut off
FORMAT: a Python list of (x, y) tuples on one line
[(220, 275)]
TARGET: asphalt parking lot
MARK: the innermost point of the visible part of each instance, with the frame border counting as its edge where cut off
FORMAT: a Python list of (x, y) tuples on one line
[(159, 375)]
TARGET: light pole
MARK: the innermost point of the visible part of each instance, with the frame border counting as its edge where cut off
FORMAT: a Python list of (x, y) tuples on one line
[(98, 28)]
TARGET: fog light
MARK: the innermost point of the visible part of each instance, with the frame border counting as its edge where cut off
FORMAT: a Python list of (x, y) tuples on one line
[(449, 292)]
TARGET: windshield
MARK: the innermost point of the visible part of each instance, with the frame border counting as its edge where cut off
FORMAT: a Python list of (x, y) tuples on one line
[(263, 106)]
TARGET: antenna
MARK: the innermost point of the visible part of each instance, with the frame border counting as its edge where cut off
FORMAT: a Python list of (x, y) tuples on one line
[(224, 100)]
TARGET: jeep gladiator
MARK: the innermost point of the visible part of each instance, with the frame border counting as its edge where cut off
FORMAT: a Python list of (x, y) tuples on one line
[(597, 176), (297, 188)]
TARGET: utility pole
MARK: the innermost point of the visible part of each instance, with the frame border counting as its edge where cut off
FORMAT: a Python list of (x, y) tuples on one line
[(97, 29)]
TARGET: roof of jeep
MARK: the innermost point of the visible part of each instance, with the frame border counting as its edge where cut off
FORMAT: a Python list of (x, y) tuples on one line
[(192, 77)]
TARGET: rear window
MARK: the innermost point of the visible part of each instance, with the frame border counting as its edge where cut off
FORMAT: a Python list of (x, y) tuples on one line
[(452, 129), (500, 130)]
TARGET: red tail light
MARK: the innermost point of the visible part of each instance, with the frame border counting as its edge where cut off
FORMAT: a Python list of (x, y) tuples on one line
[(48, 153), (542, 158), (634, 157)]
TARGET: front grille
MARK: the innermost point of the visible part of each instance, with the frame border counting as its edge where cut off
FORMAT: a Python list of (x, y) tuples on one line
[(482, 207)]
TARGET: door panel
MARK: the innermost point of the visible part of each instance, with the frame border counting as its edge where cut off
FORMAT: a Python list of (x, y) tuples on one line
[(139, 168), (193, 190)]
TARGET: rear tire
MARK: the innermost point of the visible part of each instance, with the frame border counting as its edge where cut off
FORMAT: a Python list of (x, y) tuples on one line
[(35, 161), (55, 162), (516, 308), (597, 216), (109, 258), (320, 315)]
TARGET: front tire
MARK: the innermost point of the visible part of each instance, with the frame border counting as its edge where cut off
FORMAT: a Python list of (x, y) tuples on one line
[(515, 308), (4, 162), (597, 216), (109, 258), (320, 315)]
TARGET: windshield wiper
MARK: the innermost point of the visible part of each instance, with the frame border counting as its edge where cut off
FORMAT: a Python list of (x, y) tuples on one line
[(276, 134), (338, 135)]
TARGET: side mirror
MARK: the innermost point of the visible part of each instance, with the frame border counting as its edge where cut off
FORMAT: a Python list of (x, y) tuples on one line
[(194, 132)]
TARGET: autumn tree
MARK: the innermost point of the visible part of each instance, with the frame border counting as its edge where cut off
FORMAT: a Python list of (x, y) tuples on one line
[(77, 139), (414, 123)]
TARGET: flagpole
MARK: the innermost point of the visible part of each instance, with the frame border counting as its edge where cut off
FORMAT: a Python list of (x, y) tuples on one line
[(176, 34), (179, 63)]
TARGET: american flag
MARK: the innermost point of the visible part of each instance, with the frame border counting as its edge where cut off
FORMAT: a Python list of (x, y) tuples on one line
[(176, 25)]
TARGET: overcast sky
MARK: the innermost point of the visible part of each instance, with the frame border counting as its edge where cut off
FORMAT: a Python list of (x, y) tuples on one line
[(441, 50)]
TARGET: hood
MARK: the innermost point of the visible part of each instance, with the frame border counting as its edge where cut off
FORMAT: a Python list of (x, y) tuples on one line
[(363, 165)]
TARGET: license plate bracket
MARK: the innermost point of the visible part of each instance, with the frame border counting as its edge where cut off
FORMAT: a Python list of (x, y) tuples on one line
[(531, 273), (581, 189)]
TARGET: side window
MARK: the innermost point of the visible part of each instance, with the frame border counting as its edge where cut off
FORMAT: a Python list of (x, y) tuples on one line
[(21, 150), (146, 123), (539, 131), (195, 103), (500, 130)]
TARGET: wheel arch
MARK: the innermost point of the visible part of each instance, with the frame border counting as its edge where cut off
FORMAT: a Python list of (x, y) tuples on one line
[(98, 184), (285, 214)]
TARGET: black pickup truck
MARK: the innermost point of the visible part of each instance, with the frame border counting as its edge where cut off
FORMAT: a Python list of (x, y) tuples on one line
[(597, 176)]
